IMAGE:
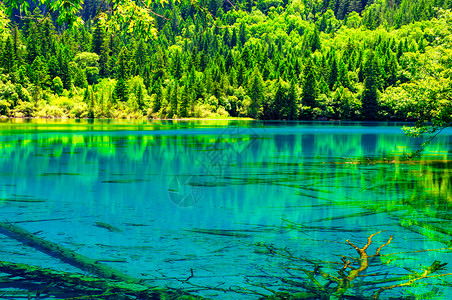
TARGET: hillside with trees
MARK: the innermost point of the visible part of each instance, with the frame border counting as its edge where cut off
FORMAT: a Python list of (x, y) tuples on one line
[(265, 59)]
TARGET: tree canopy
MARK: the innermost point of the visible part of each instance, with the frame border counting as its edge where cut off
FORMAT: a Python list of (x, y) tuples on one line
[(296, 59)]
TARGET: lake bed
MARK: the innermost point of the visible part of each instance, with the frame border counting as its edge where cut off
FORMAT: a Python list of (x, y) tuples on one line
[(214, 207)]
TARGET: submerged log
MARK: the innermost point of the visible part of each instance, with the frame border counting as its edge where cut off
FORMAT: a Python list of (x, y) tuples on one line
[(107, 226), (69, 256), (90, 285)]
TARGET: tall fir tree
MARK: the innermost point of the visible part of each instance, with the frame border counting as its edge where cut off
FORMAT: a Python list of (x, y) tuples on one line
[(256, 91), (370, 92), (120, 92), (8, 60), (292, 105), (174, 100), (309, 92), (157, 91), (98, 38)]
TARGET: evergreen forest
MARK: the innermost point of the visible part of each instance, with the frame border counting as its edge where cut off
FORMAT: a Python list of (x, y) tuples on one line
[(265, 59)]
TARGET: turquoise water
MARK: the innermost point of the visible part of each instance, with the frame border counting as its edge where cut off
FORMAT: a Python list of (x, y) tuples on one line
[(210, 199)]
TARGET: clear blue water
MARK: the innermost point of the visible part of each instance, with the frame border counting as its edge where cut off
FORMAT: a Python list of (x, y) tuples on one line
[(214, 196)]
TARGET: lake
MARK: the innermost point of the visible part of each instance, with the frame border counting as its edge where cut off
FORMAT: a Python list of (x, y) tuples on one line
[(232, 209)]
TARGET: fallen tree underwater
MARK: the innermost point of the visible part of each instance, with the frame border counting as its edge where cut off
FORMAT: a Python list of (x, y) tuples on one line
[(111, 283)]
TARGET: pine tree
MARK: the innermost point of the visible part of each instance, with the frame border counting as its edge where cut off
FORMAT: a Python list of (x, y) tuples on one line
[(175, 21), (392, 71), (53, 66), (104, 59), (123, 68), (279, 107), (240, 74), (185, 100), (342, 9), (33, 43), (120, 92), (157, 90), (343, 74), (333, 4), (242, 34), (322, 24), (86, 95), (355, 5), (315, 40), (369, 96), (229, 62), (8, 61), (47, 33), (234, 38), (249, 5), (213, 6), (65, 73), (147, 80), (38, 71), (334, 72), (226, 37), (292, 110), (256, 93), (15, 33), (177, 66), (98, 38), (174, 100), (309, 93)]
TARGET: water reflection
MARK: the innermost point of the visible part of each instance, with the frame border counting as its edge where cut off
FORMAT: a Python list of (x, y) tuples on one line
[(173, 180)]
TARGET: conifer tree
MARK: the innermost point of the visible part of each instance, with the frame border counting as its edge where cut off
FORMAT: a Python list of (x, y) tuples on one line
[(174, 100), (355, 5), (256, 93), (227, 38), (104, 59), (292, 100), (120, 92), (240, 74), (309, 93), (322, 24), (98, 38), (343, 74), (53, 67), (140, 95), (8, 61), (65, 74), (38, 71), (334, 71), (279, 105), (123, 68), (15, 33), (242, 34), (157, 90), (33, 43), (369, 96), (234, 38), (342, 8), (177, 66), (315, 40), (185, 100)]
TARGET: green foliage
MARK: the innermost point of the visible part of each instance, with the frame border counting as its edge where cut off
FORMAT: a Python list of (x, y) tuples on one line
[(57, 85), (264, 59)]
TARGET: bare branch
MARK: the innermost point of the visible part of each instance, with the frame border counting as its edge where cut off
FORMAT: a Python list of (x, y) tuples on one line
[(379, 248)]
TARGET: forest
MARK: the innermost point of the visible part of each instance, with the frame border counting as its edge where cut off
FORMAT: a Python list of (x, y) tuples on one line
[(266, 59)]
